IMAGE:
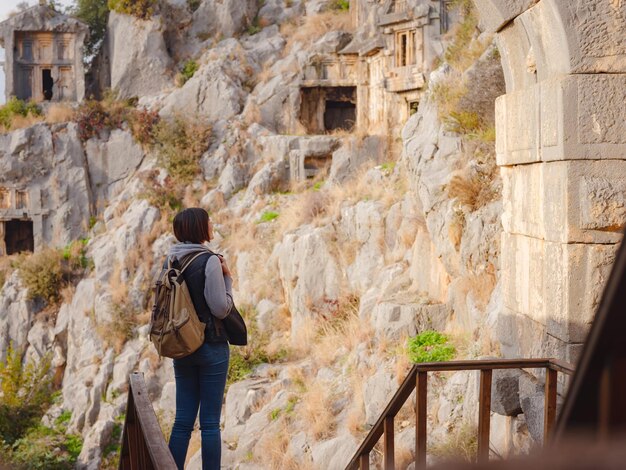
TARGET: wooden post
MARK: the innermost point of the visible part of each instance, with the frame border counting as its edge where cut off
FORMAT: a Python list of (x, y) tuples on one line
[(421, 390), (364, 462), (388, 447), (484, 415), (549, 416)]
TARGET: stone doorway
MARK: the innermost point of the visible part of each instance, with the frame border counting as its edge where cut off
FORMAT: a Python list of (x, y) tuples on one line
[(328, 109), (47, 83), (18, 236), (316, 166)]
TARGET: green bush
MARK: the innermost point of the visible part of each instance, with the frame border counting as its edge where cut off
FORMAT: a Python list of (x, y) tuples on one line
[(430, 346), (42, 274), (16, 107), (44, 448), (268, 216), (193, 5), (142, 9), (180, 143), (46, 272), (25, 394), (343, 5), (95, 13), (189, 68)]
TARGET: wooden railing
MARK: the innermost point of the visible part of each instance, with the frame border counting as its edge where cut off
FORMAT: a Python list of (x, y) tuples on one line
[(143, 445), (417, 379)]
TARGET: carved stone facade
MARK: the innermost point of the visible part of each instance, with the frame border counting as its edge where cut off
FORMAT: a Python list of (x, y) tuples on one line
[(44, 55), (561, 146), (21, 220), (380, 72)]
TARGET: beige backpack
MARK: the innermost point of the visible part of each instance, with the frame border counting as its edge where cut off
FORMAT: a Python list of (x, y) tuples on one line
[(175, 329)]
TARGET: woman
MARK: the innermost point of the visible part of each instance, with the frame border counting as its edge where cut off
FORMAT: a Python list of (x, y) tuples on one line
[(201, 376)]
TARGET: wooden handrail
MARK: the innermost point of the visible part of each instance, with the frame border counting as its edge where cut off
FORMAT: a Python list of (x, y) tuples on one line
[(143, 444), (417, 379)]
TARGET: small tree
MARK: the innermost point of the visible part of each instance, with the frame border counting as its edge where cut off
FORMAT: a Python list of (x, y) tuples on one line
[(96, 14), (25, 394)]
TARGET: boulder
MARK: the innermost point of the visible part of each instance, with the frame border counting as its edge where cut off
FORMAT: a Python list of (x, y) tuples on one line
[(505, 398), (223, 18), (335, 453), (272, 177), (377, 390), (139, 66), (353, 154)]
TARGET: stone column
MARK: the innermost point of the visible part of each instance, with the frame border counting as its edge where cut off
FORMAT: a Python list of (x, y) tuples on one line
[(561, 146), (3, 246)]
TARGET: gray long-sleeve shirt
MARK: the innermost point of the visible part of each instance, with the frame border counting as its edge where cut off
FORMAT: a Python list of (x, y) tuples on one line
[(218, 289)]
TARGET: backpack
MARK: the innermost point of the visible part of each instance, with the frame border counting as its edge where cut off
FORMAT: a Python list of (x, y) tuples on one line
[(175, 329)]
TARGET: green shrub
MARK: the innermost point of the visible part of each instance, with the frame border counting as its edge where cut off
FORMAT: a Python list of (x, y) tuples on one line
[(44, 448), (42, 274), (46, 272), (343, 5), (143, 125), (189, 68), (193, 5), (95, 13), (142, 9), (430, 346), (268, 216), (166, 196), (94, 117), (25, 394), (16, 107), (180, 143)]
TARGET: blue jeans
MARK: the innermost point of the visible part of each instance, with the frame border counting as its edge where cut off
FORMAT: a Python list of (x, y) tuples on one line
[(200, 382)]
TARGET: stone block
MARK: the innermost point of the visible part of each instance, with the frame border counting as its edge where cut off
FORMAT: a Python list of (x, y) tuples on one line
[(514, 48), (576, 117), (496, 13), (517, 115), (557, 285), (567, 201), (505, 392)]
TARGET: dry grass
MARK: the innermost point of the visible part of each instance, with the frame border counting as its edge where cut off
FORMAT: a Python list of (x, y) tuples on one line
[(355, 418), (271, 451), (461, 443), (21, 122), (480, 285), (58, 113), (314, 26), (315, 410)]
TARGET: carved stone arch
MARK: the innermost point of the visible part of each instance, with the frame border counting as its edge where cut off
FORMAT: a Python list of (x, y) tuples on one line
[(561, 147)]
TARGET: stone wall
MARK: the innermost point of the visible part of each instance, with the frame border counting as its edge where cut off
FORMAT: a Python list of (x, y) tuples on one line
[(561, 146)]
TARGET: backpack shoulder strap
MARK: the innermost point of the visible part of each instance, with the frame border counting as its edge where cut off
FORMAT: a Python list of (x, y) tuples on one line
[(193, 258)]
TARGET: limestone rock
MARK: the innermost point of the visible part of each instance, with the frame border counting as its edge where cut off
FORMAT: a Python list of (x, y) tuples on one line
[(377, 391), (225, 18), (353, 154), (272, 177), (93, 444), (110, 163), (505, 398), (335, 453), (141, 66), (51, 167), (16, 315), (307, 284)]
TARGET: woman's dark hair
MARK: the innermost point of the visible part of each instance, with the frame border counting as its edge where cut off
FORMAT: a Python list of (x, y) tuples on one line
[(192, 225)]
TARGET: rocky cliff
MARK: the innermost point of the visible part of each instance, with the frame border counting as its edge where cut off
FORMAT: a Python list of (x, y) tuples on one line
[(392, 236)]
